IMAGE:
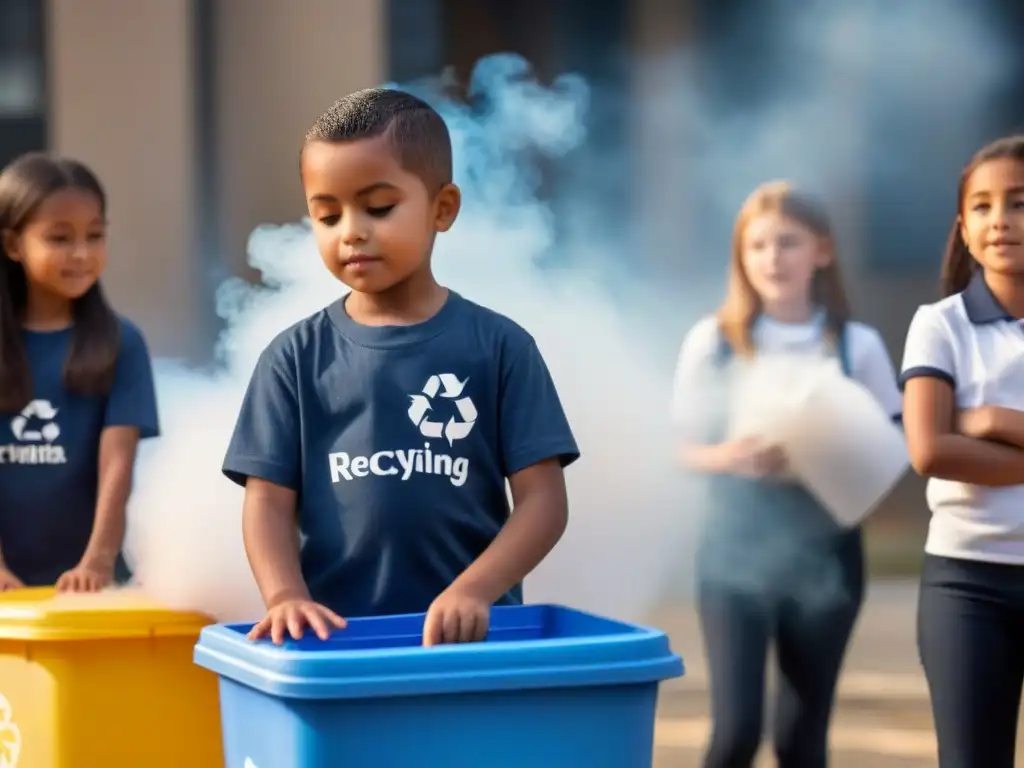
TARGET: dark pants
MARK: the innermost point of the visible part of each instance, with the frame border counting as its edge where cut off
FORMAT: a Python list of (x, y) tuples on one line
[(971, 639), (809, 627)]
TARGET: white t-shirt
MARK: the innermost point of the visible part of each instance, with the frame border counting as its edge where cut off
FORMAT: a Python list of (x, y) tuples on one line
[(869, 360), (970, 341)]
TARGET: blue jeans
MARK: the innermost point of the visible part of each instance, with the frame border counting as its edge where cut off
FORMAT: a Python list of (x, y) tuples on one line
[(774, 586)]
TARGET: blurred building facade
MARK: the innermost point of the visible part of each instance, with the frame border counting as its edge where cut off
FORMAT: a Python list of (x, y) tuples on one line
[(192, 111)]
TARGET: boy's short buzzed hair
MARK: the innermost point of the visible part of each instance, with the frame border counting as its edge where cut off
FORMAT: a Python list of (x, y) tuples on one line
[(418, 133)]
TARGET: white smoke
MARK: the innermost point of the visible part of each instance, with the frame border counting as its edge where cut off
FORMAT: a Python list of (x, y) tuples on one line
[(185, 542), (930, 66), (832, 95)]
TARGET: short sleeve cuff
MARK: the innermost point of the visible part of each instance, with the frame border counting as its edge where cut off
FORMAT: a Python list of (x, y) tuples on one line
[(238, 469), (146, 431), (566, 451), (926, 371)]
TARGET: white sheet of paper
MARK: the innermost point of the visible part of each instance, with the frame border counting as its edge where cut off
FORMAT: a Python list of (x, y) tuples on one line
[(764, 392), (839, 442), (844, 447)]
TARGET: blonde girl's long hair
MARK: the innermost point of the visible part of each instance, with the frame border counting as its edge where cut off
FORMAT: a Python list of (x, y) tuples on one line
[(742, 305)]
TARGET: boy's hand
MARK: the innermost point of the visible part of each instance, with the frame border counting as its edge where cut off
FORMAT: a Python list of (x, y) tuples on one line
[(86, 577), (456, 616), (294, 616), (8, 580)]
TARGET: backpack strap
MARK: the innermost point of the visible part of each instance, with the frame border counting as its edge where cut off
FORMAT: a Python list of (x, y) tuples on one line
[(723, 352), (843, 350)]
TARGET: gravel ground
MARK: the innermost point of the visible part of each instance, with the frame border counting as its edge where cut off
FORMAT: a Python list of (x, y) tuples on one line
[(882, 717)]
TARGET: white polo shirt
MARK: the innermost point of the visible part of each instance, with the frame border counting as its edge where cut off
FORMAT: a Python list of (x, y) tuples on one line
[(869, 361), (970, 341)]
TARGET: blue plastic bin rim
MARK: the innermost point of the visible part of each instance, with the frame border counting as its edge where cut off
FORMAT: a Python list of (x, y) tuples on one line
[(535, 646)]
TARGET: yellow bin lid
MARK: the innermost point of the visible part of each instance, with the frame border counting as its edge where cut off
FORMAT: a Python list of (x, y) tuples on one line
[(43, 614)]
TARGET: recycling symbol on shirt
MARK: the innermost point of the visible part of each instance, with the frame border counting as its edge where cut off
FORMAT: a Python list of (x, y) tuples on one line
[(448, 386), (41, 410), (10, 736)]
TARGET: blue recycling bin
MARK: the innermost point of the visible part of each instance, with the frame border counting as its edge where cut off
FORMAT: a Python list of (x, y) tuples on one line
[(551, 687)]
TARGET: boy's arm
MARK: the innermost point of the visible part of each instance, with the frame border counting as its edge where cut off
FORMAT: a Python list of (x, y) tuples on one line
[(539, 516), (271, 535), (537, 443), (264, 457)]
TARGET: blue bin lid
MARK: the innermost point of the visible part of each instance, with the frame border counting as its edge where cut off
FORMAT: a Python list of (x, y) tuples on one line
[(535, 646)]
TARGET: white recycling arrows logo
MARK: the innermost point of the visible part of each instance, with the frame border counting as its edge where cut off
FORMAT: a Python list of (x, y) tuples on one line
[(37, 409), (450, 388), (10, 736)]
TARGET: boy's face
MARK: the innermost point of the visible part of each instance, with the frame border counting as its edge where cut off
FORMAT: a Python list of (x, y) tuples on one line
[(374, 221)]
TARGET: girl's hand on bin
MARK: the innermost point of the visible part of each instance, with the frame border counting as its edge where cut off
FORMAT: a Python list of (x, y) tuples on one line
[(293, 616), (86, 577), (9, 581), (456, 616)]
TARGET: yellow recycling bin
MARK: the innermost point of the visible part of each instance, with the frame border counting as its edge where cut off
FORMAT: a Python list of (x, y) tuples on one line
[(103, 681)]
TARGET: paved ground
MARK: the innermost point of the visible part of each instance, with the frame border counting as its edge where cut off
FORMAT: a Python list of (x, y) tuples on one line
[(882, 720)]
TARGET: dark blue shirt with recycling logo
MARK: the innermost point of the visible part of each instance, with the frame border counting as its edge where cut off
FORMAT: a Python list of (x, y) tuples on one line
[(49, 453), (398, 441)]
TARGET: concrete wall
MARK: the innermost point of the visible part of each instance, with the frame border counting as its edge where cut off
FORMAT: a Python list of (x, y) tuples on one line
[(659, 31), (121, 100), (279, 66), (123, 79)]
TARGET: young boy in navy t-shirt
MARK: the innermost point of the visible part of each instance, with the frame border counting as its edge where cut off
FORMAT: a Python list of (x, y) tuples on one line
[(376, 436)]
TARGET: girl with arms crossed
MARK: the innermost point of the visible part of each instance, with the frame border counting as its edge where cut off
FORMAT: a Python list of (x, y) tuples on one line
[(963, 373)]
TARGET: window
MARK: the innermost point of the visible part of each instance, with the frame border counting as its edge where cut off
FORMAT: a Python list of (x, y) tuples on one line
[(22, 78)]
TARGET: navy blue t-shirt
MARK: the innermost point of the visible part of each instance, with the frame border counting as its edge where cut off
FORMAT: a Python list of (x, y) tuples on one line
[(398, 440), (49, 454)]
